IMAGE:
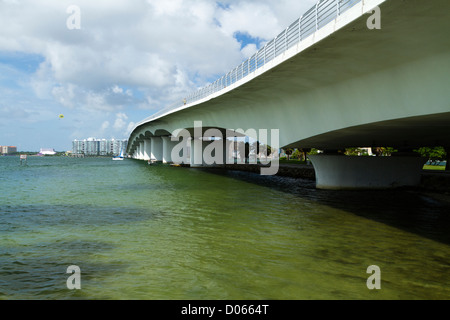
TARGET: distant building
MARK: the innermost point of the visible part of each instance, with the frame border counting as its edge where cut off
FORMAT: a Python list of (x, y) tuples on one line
[(47, 152), (8, 149), (98, 147)]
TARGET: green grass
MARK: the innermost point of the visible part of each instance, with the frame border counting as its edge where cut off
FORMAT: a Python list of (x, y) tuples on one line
[(292, 161), (428, 167)]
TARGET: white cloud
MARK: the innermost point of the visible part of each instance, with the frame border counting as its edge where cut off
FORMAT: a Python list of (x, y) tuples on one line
[(130, 127), (249, 50), (149, 43), (252, 17), (128, 57), (105, 125), (263, 19), (64, 95), (117, 89), (120, 122)]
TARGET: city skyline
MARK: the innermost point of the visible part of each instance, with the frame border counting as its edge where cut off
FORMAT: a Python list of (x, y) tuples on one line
[(99, 147), (124, 62)]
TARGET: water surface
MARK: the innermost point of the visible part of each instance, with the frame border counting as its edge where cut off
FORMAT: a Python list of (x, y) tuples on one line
[(160, 232)]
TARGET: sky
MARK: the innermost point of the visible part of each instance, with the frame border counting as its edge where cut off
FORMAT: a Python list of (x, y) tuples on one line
[(108, 64)]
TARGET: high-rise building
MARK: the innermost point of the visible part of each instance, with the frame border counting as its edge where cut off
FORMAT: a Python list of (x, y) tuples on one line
[(98, 147), (78, 146), (8, 149), (104, 147), (92, 147)]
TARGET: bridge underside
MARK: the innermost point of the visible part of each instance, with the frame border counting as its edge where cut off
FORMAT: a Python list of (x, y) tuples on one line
[(412, 132)]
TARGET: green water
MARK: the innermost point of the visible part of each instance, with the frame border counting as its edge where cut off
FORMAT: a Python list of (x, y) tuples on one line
[(160, 232)]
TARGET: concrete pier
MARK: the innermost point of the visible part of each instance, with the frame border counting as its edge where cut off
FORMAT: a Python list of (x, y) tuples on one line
[(156, 149), (168, 146), (345, 172), (147, 149)]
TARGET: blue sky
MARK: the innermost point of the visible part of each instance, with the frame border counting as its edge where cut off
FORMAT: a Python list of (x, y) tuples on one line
[(128, 60)]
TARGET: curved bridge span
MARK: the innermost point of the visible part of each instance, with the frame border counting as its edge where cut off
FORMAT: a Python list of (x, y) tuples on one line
[(340, 85)]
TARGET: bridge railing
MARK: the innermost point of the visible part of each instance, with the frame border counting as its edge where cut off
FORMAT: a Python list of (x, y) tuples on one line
[(312, 20)]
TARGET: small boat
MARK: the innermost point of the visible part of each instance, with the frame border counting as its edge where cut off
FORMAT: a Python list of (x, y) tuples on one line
[(119, 157)]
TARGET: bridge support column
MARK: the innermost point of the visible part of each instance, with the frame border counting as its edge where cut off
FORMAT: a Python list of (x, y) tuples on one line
[(168, 146), (346, 172), (141, 151), (147, 149), (156, 149), (196, 159)]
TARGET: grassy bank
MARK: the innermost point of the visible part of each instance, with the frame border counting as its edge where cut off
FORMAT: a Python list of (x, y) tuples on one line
[(428, 167)]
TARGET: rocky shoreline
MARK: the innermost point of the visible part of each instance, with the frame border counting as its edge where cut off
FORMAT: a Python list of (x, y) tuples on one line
[(285, 170), (434, 181)]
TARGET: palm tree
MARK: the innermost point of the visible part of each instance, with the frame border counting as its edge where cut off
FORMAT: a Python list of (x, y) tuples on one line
[(288, 152)]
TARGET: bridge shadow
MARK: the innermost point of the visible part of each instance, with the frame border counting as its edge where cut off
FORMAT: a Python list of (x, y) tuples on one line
[(413, 210)]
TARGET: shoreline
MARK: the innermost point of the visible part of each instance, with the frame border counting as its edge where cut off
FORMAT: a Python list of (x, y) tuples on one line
[(302, 171), (432, 180)]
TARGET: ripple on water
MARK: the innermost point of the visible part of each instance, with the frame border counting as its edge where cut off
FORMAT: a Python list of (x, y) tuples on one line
[(155, 232), (32, 216)]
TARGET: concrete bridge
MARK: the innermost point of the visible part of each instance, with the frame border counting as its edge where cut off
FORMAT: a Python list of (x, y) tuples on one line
[(329, 82)]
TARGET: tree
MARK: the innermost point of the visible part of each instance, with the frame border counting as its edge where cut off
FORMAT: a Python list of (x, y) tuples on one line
[(304, 152), (288, 152), (313, 151), (355, 152), (383, 151), (432, 153), (297, 154), (265, 149)]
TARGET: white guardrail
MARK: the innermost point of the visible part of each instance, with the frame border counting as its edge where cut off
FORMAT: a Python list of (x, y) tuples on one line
[(312, 20)]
